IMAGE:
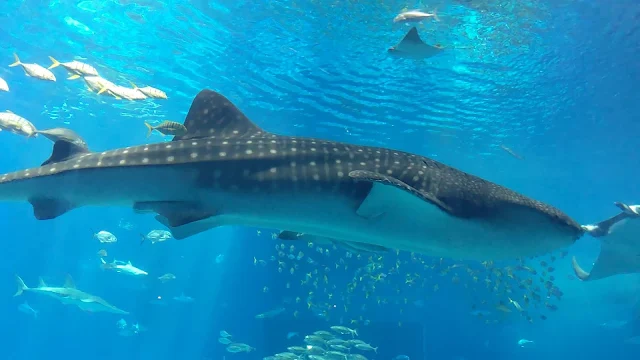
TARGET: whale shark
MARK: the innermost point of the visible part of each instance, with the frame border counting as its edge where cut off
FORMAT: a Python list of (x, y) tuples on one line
[(226, 170), (412, 46), (619, 245)]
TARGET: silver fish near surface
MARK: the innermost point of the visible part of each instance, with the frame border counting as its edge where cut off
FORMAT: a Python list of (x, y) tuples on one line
[(226, 170)]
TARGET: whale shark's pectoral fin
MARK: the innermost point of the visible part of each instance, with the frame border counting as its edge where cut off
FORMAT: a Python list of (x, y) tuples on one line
[(385, 190), (177, 213), (45, 208)]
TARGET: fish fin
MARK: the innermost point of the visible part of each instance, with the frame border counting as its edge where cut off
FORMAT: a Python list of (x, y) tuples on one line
[(21, 286), (45, 208), (178, 213), (290, 235), (68, 282), (17, 62), (384, 191), (129, 262), (102, 89), (629, 210), (185, 231), (412, 37), (64, 150), (54, 63), (133, 85), (614, 259), (212, 114), (149, 128), (41, 282), (73, 77)]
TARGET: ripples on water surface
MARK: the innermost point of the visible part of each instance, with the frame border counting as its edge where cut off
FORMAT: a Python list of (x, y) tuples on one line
[(511, 73)]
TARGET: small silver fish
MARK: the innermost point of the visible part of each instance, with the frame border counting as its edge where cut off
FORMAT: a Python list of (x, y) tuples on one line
[(34, 70), (98, 83), (414, 16), (17, 124), (167, 128), (151, 92), (124, 92), (76, 68)]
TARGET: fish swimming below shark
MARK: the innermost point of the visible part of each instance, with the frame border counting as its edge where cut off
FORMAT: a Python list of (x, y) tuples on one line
[(70, 295), (228, 171), (619, 245)]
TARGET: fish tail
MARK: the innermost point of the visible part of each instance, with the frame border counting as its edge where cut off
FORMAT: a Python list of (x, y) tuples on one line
[(375, 350), (54, 63), (149, 128), (17, 62), (21, 286), (435, 15), (142, 237)]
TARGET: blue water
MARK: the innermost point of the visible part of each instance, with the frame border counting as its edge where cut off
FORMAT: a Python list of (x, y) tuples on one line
[(555, 81)]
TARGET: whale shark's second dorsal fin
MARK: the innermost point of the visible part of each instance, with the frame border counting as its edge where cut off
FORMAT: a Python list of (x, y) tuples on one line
[(68, 282), (64, 150), (213, 115)]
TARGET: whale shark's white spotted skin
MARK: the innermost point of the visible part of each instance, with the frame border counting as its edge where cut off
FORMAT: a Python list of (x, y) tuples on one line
[(619, 245), (228, 171)]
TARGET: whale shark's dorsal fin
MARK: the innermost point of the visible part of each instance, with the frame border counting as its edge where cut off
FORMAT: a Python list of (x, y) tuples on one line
[(64, 150), (213, 115), (68, 282)]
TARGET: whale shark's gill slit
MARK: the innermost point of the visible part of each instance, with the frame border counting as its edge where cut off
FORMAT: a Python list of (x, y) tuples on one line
[(45, 208), (64, 150), (177, 213), (212, 114)]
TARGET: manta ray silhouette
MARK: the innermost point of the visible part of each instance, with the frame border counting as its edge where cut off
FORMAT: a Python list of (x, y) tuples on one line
[(619, 245)]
